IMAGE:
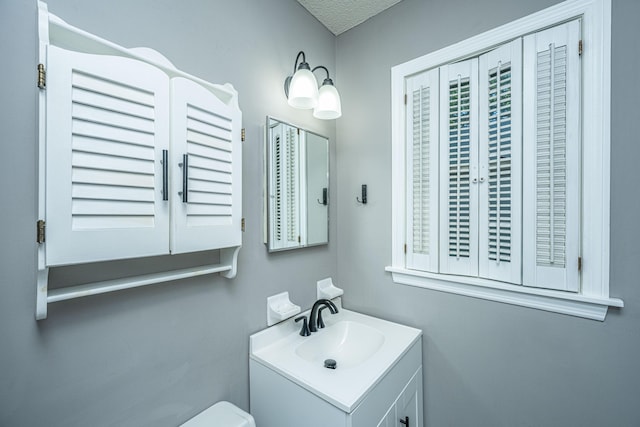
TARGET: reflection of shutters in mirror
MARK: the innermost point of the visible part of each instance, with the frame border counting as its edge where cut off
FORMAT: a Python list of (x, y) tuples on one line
[(422, 171), (108, 121), (292, 185), (500, 162), (458, 136), (277, 167), (551, 235)]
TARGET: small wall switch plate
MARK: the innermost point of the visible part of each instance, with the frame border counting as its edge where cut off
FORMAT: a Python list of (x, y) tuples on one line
[(280, 308)]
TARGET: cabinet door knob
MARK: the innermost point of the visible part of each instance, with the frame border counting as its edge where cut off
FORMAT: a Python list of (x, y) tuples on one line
[(405, 421)]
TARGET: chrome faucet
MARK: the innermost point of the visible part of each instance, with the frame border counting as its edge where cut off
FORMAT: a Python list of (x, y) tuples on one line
[(315, 318)]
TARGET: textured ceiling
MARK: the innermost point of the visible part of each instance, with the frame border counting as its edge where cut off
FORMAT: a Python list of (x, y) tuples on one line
[(340, 15)]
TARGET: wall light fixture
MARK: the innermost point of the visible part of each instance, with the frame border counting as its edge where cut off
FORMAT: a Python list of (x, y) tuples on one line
[(302, 91)]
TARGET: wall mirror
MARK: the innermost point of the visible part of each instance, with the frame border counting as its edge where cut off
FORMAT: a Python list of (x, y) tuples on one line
[(297, 187)]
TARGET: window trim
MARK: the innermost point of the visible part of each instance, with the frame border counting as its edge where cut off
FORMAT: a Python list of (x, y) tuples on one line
[(593, 299)]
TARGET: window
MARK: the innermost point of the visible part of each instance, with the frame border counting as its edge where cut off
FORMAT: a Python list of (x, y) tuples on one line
[(500, 164)]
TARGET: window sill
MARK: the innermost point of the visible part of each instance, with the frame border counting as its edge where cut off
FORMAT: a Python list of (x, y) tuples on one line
[(589, 307)]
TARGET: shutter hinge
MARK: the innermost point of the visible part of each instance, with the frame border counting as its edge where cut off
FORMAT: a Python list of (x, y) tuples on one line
[(580, 264), (299, 239), (580, 48), (405, 99), (243, 135), (42, 77), (40, 231), (242, 224), (405, 248)]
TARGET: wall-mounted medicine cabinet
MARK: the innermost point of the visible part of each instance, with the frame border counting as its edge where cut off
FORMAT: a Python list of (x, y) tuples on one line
[(296, 187), (136, 159)]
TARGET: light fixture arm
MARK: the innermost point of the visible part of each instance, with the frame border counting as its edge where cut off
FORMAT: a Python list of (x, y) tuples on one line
[(304, 61), (326, 81)]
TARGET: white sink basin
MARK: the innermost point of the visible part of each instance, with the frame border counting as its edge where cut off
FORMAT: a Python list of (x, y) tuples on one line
[(347, 342), (364, 347)]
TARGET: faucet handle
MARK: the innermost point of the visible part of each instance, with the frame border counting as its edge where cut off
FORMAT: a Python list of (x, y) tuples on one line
[(305, 326)]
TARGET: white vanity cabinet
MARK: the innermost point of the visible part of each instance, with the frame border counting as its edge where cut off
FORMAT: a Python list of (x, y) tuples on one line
[(277, 401)]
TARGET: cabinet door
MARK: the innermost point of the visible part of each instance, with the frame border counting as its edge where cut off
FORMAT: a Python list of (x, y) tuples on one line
[(106, 128), (206, 167), (409, 403)]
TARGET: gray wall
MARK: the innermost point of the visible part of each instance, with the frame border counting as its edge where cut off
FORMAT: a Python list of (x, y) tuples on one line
[(487, 363), (153, 356)]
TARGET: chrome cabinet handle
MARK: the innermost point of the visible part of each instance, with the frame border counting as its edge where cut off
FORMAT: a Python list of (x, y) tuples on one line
[(185, 178), (165, 175)]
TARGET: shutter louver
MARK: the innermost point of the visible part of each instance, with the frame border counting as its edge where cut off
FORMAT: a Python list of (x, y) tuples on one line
[(459, 139), (500, 163), (422, 173), (108, 118), (210, 167), (459, 217), (551, 182), (552, 167), (112, 161)]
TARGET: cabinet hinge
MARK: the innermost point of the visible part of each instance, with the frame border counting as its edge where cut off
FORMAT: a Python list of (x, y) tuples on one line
[(242, 224), (243, 135), (42, 77), (579, 264), (580, 48), (40, 231)]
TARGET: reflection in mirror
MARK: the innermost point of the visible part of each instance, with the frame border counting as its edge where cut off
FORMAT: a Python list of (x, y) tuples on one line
[(297, 187)]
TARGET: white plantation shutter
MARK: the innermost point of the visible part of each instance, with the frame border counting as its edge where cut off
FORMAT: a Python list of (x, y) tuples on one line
[(552, 158), (208, 132), (458, 168), (422, 171), (500, 71), (108, 119), (285, 186)]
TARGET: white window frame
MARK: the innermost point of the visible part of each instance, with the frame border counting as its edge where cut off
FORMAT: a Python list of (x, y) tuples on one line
[(592, 301)]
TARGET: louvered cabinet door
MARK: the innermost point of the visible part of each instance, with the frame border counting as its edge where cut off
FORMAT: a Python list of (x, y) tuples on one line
[(422, 171), (459, 168), (552, 158), (106, 128), (500, 157), (206, 169)]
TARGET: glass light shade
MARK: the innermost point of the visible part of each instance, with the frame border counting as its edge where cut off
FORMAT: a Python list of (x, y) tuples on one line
[(303, 90), (328, 107)]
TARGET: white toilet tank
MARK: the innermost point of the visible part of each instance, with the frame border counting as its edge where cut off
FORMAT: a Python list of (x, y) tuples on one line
[(222, 414)]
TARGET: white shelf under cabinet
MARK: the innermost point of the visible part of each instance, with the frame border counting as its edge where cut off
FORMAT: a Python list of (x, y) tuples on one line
[(116, 126)]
